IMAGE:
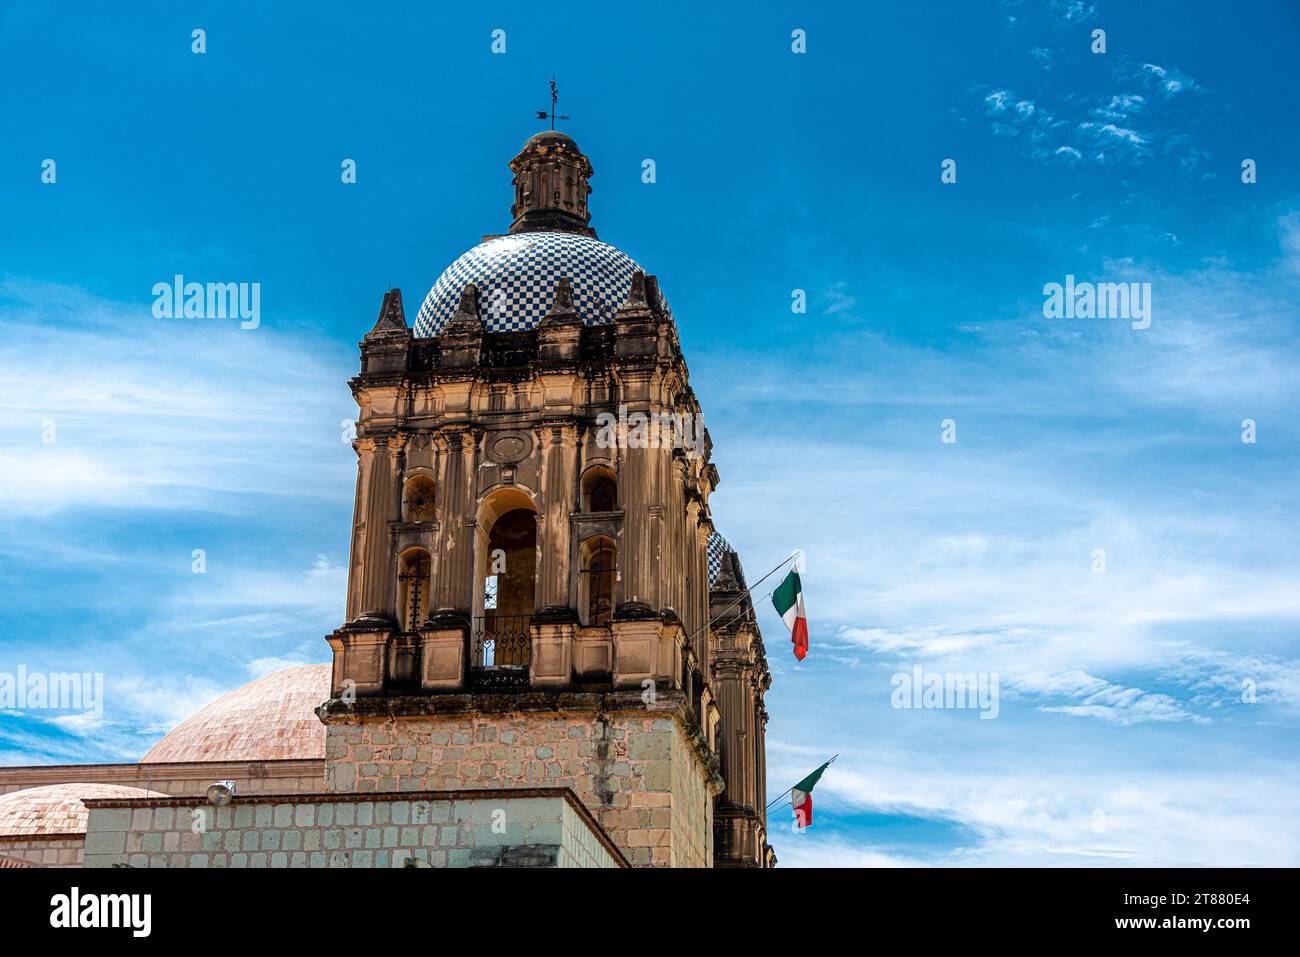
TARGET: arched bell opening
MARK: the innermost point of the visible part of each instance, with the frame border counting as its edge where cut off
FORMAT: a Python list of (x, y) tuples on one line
[(505, 580)]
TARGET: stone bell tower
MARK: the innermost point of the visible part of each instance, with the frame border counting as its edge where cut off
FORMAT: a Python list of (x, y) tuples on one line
[(529, 586)]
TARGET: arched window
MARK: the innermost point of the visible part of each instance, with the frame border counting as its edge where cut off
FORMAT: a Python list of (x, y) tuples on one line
[(598, 571), (599, 490), (417, 499), (413, 578)]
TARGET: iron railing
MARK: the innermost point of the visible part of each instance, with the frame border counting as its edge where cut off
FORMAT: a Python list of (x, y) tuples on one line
[(500, 646)]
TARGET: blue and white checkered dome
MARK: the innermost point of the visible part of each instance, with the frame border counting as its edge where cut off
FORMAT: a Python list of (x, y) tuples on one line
[(717, 547), (516, 277)]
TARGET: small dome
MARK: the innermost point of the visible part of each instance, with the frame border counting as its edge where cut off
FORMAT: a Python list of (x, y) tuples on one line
[(552, 138), (270, 719), (57, 809), (516, 277)]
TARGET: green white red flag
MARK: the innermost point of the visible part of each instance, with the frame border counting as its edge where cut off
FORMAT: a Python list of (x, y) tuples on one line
[(801, 796), (788, 599)]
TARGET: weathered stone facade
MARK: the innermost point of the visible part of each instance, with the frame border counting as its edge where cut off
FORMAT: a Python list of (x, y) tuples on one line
[(529, 587), (539, 827)]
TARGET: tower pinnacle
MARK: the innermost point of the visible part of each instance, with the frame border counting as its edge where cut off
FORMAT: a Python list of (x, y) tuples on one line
[(551, 187)]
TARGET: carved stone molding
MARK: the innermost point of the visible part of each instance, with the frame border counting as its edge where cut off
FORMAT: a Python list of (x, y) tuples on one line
[(509, 448)]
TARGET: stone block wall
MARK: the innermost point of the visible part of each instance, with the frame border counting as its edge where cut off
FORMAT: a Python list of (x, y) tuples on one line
[(692, 828), (638, 772), (53, 851), (581, 845), (487, 828)]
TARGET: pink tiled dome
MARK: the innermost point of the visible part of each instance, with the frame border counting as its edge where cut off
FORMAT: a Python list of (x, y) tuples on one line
[(57, 808), (270, 719)]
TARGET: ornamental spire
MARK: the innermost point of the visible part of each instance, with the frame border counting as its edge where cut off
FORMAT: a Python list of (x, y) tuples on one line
[(392, 319)]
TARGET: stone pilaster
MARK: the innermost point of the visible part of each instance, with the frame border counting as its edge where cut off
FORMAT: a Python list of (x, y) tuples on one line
[(559, 449), (377, 575), (453, 588)]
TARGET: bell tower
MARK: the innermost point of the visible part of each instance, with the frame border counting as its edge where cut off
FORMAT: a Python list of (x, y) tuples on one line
[(529, 583)]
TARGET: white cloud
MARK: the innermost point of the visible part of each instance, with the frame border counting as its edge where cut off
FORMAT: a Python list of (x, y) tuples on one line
[(977, 557), (1097, 126), (248, 413), (810, 849), (1036, 813), (1073, 11), (1168, 80)]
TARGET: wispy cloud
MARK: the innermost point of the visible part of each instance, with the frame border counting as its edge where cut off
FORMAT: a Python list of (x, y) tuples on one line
[(1126, 122), (101, 414), (979, 557), (117, 462), (1037, 815)]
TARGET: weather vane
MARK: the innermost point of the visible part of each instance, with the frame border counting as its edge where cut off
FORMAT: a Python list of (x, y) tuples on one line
[(553, 116)]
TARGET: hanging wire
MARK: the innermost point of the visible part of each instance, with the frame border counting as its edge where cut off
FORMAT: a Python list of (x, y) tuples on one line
[(691, 639), (791, 787)]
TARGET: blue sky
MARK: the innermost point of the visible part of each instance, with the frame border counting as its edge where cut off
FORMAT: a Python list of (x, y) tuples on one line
[(1122, 736)]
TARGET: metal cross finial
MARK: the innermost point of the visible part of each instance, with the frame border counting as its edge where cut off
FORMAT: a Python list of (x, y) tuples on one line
[(553, 116)]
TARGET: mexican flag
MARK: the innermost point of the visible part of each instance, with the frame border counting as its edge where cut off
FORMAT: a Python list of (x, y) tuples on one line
[(788, 599), (801, 796)]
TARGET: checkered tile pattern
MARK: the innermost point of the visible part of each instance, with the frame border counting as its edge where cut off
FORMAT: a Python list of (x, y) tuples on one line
[(717, 547), (516, 277)]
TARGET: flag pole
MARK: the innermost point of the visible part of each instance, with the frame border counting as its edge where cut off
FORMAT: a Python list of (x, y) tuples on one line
[(689, 638), (778, 797), (791, 787)]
